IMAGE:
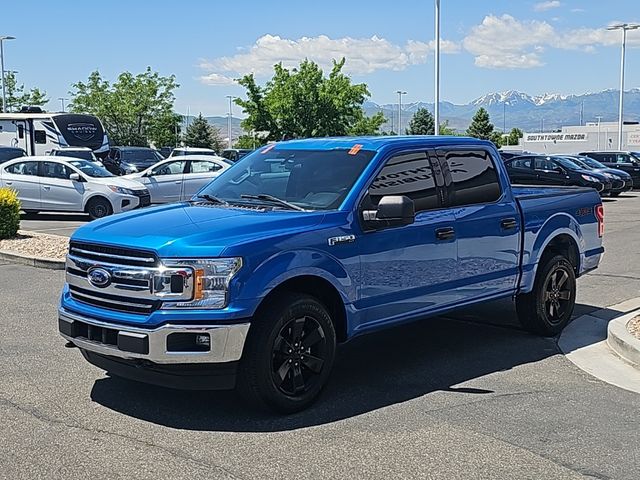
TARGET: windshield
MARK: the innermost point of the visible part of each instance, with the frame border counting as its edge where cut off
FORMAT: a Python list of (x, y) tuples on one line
[(7, 154), (90, 169), (592, 163), (569, 163), (83, 154), (315, 180), (579, 162), (141, 156)]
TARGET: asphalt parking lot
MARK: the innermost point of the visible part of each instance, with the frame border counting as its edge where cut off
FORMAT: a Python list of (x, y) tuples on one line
[(465, 397)]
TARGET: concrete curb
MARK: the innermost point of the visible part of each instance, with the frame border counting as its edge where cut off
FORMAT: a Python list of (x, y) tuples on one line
[(38, 262), (621, 341)]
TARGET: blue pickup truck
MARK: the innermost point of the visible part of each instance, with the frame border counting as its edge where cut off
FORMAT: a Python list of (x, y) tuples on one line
[(305, 244)]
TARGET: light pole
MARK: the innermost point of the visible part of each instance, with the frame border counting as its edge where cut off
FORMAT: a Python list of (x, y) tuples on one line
[(400, 93), (436, 106), (504, 117), (624, 27), (62, 100), (599, 117), (230, 97), (4, 88)]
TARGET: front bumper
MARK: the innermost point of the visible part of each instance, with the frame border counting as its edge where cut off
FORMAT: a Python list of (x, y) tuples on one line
[(166, 344)]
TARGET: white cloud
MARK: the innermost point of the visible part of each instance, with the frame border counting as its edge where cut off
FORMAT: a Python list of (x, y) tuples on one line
[(364, 55), (505, 42), (544, 6), (217, 79)]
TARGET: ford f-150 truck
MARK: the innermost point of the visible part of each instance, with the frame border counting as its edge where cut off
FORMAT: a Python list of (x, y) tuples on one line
[(308, 243)]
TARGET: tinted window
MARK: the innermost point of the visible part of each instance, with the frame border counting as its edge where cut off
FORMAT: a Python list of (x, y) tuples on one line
[(202, 166), (471, 177), (40, 136), (409, 175), (622, 158), (7, 154), (23, 168), (520, 163), (169, 168), (55, 170), (543, 163)]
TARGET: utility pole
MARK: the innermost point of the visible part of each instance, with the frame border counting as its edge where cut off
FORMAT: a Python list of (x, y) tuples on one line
[(436, 106), (62, 102), (599, 118), (230, 97), (4, 83), (400, 93), (624, 27), (581, 111)]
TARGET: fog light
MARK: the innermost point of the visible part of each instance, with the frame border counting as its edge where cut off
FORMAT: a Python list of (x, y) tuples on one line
[(203, 340)]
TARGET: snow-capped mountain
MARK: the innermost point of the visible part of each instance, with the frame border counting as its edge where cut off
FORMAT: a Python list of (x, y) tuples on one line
[(517, 109)]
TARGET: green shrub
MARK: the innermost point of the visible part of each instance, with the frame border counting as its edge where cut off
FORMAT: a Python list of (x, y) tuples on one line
[(9, 213)]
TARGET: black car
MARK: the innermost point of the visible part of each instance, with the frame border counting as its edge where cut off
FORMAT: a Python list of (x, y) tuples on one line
[(124, 160), (621, 181), (553, 170), (509, 154), (626, 161), (9, 153), (235, 154)]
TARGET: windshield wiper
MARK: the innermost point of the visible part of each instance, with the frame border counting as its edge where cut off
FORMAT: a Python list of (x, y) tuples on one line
[(270, 198), (212, 199)]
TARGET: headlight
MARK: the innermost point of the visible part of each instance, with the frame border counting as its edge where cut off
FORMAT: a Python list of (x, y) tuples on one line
[(589, 178), (211, 282), (122, 190), (608, 175)]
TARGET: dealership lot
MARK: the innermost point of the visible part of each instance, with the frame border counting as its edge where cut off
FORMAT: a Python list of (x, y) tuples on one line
[(450, 398)]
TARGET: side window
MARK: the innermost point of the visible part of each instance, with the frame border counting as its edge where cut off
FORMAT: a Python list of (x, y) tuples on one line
[(169, 168), (521, 163), (543, 163), (622, 158), (410, 175), (116, 154), (203, 166), (23, 168), (55, 170), (40, 136), (471, 177), (20, 131)]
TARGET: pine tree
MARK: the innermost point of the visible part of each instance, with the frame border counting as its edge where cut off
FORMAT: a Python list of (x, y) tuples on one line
[(481, 126), (422, 123), (202, 134)]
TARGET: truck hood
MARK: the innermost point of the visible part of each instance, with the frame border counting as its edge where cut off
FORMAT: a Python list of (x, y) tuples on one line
[(193, 230)]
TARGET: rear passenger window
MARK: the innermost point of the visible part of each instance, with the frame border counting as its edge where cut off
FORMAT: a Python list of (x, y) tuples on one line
[(409, 175), (521, 163), (470, 177), (23, 168), (203, 166), (55, 170)]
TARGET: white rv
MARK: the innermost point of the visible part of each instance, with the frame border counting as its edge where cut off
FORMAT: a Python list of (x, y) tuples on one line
[(37, 132)]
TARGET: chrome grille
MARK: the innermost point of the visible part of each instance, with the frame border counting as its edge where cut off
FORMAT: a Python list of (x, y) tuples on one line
[(136, 281)]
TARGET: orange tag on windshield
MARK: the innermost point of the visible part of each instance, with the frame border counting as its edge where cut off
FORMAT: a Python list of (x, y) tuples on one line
[(269, 147), (355, 149)]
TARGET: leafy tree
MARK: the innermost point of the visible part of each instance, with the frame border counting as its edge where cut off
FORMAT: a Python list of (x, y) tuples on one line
[(302, 102), (135, 109), (17, 97), (445, 129), (203, 135), (422, 123), (498, 139), (368, 125), (514, 136), (481, 126)]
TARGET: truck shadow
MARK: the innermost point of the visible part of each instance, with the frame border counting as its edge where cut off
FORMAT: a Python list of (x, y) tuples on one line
[(371, 372)]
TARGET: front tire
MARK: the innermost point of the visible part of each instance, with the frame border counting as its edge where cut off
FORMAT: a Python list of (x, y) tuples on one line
[(288, 355), (547, 309), (615, 194), (98, 208)]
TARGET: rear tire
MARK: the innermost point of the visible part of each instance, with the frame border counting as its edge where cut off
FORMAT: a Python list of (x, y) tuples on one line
[(547, 309), (288, 355), (98, 208), (615, 194), (30, 213)]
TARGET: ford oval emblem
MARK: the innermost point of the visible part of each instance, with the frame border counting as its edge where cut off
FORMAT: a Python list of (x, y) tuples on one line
[(99, 277)]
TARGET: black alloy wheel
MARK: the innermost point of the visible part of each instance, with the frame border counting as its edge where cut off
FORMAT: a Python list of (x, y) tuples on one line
[(557, 295)]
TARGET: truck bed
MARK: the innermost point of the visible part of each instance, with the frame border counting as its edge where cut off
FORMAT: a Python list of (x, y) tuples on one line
[(529, 192)]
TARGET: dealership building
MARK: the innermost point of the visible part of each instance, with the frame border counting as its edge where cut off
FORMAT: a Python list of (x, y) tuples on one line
[(581, 138)]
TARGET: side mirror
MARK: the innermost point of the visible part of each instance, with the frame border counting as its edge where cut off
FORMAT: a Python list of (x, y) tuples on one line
[(559, 170), (75, 177), (393, 211)]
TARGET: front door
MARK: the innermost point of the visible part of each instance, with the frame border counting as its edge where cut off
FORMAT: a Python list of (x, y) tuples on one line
[(548, 172), (23, 177), (407, 270), (487, 224), (58, 192), (165, 181)]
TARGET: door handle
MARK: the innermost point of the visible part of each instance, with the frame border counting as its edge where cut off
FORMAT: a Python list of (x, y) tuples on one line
[(9, 183), (178, 182), (445, 233), (46, 188), (508, 223)]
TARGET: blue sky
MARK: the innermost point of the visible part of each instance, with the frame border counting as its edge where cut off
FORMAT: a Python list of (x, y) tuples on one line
[(531, 46)]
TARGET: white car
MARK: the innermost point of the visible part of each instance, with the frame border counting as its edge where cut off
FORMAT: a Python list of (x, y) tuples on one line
[(66, 184), (179, 178), (182, 151)]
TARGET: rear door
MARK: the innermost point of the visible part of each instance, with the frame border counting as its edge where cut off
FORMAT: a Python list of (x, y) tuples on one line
[(58, 192), (165, 181), (199, 173), (23, 177), (487, 223)]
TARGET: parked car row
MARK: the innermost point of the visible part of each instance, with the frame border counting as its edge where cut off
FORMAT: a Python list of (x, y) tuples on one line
[(583, 169)]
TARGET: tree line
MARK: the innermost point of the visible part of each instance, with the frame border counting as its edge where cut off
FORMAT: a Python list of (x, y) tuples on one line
[(300, 102)]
